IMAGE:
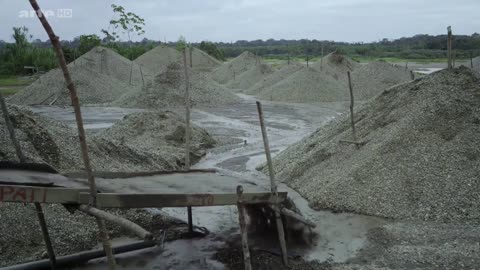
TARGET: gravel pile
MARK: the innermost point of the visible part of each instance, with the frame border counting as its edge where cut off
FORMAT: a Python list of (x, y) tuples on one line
[(157, 59), (231, 70), (419, 161), (373, 78), (247, 79), (92, 88), (168, 90), (106, 61), (273, 78), (476, 64), (306, 85), (336, 65), (116, 149), (202, 61)]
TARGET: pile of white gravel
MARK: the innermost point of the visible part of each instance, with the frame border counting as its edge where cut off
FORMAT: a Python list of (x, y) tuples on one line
[(273, 78), (373, 78), (202, 61), (336, 65), (307, 85), (158, 58), (108, 62), (250, 77), (419, 159), (232, 69), (144, 141), (92, 88), (168, 90)]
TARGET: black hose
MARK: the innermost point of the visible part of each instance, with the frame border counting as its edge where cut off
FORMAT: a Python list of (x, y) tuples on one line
[(79, 258)]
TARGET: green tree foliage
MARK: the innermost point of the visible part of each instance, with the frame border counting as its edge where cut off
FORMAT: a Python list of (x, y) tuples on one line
[(126, 23), (15, 56), (181, 44), (88, 42), (212, 50)]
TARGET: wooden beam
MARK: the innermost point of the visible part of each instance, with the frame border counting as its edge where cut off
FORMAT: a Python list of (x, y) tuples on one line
[(28, 194), (243, 229), (115, 200)]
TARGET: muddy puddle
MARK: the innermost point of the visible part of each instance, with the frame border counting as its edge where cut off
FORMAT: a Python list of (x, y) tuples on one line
[(341, 236)]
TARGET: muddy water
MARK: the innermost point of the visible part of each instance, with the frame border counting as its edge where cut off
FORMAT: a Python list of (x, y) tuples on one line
[(340, 235)]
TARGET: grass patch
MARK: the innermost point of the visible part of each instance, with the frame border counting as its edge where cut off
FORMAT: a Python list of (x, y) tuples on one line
[(15, 81), (9, 91)]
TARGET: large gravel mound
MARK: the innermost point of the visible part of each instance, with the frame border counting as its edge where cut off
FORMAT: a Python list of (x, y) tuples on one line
[(336, 65), (273, 78), (420, 159), (202, 61), (168, 90), (231, 70), (306, 85), (157, 59), (92, 88), (250, 77), (44, 140), (106, 61), (373, 78), (476, 64)]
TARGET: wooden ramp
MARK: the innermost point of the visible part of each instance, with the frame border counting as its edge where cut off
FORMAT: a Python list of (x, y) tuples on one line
[(132, 190)]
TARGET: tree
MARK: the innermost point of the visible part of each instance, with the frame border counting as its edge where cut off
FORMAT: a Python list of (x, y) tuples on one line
[(127, 23), (181, 43), (88, 42), (212, 50)]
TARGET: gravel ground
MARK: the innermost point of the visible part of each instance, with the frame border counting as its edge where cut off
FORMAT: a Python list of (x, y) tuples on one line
[(21, 238), (169, 88), (419, 160)]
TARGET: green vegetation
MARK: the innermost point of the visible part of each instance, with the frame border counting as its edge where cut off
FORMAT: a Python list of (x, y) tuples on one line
[(212, 50)]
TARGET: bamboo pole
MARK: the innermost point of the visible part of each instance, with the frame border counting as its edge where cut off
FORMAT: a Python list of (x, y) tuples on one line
[(298, 217), (81, 131), (187, 132), (352, 102), (38, 206), (273, 186), (412, 75), (191, 55), (141, 74), (125, 223), (243, 229), (321, 60), (449, 46)]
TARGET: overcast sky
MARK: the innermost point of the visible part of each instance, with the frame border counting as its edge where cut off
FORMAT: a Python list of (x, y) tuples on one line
[(231, 20)]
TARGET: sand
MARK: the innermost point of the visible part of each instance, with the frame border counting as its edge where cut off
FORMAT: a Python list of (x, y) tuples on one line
[(419, 160)]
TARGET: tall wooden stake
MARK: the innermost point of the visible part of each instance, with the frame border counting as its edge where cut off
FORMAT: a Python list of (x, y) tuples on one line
[(449, 46), (273, 187), (38, 206), (288, 55), (412, 75), (243, 230), (352, 102), (187, 130), (191, 55), (81, 131), (321, 60), (141, 74)]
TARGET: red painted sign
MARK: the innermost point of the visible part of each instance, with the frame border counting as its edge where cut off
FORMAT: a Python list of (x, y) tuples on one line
[(22, 194)]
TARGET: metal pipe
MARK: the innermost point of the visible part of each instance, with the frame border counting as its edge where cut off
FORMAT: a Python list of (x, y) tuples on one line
[(79, 258)]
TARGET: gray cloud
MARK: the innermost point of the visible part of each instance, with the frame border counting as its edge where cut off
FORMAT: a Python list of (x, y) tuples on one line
[(229, 20)]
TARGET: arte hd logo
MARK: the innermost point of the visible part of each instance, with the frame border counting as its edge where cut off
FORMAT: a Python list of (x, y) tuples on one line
[(61, 13)]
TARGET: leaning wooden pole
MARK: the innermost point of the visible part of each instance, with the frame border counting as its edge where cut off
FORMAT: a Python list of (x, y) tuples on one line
[(187, 129), (352, 103), (243, 229), (81, 131), (273, 186), (449, 46), (38, 206)]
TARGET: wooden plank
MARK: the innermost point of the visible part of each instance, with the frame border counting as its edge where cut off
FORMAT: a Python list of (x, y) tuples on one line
[(115, 200), (28, 194)]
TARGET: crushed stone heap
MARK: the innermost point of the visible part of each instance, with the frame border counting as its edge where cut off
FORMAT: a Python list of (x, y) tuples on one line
[(273, 78), (250, 77), (231, 70), (419, 161), (168, 90), (336, 65), (92, 88), (122, 147)]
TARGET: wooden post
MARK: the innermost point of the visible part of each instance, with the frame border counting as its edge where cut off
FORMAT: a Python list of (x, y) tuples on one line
[(243, 230), (352, 102), (321, 60), (81, 130), (288, 55), (141, 74), (449, 46), (412, 74), (38, 207), (187, 131), (273, 187), (406, 65), (471, 60), (191, 56), (307, 61)]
